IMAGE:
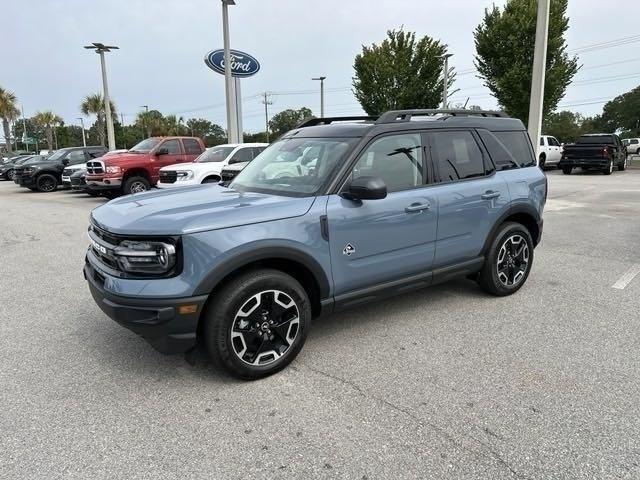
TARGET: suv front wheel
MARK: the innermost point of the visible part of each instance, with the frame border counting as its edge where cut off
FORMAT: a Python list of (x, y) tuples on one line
[(46, 183), (508, 261), (257, 323)]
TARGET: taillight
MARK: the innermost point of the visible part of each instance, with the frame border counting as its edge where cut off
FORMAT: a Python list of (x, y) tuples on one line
[(605, 152)]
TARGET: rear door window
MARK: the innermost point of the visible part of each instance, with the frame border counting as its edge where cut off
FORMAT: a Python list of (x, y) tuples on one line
[(172, 146), (242, 155), (456, 155), (191, 146), (75, 157)]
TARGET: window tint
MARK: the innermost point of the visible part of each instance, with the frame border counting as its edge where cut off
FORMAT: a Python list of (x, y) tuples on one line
[(242, 155), (257, 151), (95, 153), (191, 146), (553, 142), (542, 141), (633, 141), (517, 144), (397, 159), (173, 146), (456, 155), (596, 139), (75, 157)]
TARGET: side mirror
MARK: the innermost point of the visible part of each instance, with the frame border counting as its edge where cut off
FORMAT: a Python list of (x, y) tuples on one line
[(366, 188), (162, 151)]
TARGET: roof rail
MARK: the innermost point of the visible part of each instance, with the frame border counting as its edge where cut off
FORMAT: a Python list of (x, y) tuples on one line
[(405, 115), (311, 122)]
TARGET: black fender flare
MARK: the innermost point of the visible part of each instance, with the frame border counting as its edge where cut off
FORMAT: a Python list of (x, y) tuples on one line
[(265, 251), (519, 207)]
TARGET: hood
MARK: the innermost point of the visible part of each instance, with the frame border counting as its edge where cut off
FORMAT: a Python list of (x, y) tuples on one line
[(194, 209), (120, 157)]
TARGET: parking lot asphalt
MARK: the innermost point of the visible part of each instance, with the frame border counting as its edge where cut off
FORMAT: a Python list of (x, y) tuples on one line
[(446, 382)]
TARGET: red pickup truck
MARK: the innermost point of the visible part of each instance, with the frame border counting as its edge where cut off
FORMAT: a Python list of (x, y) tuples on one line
[(136, 170)]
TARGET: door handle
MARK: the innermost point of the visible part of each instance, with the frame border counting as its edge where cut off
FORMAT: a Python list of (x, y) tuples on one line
[(489, 194), (417, 207)]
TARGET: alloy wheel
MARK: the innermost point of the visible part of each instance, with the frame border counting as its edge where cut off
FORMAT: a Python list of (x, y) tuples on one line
[(513, 260), (46, 184), (265, 327), (137, 187), (10, 174)]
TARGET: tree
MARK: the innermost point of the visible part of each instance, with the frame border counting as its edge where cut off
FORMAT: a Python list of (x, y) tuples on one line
[(288, 119), (94, 105), (566, 126), (152, 121), (400, 73), (8, 112), (623, 113), (504, 55), (173, 125), (34, 131), (47, 120)]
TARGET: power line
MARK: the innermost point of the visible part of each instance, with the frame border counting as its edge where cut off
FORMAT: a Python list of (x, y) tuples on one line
[(608, 44)]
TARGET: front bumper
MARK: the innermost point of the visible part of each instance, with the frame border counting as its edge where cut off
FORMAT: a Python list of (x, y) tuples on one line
[(103, 184), (584, 162), (157, 320), (26, 180)]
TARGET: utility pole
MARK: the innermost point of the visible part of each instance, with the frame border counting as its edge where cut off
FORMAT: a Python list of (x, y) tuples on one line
[(232, 121), (100, 50), (445, 79), (536, 101), (144, 121), (321, 94), (84, 140), (24, 129), (266, 102)]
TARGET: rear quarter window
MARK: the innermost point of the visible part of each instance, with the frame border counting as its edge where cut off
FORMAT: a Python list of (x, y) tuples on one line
[(192, 146), (518, 145)]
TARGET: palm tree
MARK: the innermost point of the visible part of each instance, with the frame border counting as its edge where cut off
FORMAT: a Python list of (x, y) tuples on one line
[(94, 105), (153, 122), (47, 120), (173, 125), (8, 112)]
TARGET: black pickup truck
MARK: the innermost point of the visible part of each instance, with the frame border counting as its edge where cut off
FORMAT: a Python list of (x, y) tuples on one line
[(598, 151)]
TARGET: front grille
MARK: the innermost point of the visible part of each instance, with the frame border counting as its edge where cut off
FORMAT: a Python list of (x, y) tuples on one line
[(77, 180), (102, 245), (19, 171), (95, 166), (168, 177)]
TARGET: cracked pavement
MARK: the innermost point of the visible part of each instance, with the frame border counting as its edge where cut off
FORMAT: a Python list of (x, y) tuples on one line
[(445, 382)]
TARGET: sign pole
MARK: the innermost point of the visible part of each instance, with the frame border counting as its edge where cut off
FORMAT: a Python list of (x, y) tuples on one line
[(232, 125), (238, 104)]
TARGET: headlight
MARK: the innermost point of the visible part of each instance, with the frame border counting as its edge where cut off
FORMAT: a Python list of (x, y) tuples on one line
[(113, 169), (149, 257), (29, 170), (185, 175)]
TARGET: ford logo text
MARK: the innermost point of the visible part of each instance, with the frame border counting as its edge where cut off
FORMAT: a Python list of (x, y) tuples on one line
[(242, 64)]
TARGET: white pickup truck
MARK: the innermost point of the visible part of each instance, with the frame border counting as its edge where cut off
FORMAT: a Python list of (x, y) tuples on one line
[(549, 151)]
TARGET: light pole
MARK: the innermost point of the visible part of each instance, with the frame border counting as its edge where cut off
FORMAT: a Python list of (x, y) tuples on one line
[(144, 121), (536, 100), (232, 121), (84, 140), (266, 102), (321, 94), (445, 81), (100, 48)]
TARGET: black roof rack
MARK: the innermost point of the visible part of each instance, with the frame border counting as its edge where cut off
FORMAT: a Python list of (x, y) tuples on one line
[(312, 122), (405, 115)]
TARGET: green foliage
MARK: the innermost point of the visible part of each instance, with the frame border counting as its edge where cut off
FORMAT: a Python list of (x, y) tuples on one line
[(504, 55), (94, 105), (8, 112), (566, 126), (400, 73), (211, 133), (48, 120), (288, 119), (623, 113), (259, 137)]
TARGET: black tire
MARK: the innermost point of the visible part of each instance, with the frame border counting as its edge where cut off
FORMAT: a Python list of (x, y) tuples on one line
[(541, 161), (223, 318), (638, 151), (492, 276), (211, 180), (567, 170), (9, 174), (608, 170), (622, 166), (92, 194), (46, 183), (135, 185)]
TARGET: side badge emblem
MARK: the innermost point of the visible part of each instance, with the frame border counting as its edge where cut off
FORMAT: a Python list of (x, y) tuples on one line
[(348, 249)]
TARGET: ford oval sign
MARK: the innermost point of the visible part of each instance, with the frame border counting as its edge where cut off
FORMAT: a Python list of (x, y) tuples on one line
[(242, 64)]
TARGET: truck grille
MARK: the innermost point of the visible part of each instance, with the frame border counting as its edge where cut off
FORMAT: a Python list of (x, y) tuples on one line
[(168, 177), (95, 166)]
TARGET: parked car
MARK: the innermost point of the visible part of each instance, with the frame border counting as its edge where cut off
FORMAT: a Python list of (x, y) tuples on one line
[(137, 169), (71, 169), (46, 174), (208, 166), (598, 151), (632, 145), (24, 161), (7, 169), (244, 269), (549, 152)]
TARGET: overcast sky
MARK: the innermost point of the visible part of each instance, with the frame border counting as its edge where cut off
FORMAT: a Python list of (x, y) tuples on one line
[(163, 42)]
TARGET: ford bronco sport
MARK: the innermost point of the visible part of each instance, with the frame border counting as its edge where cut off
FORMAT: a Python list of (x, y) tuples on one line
[(405, 200)]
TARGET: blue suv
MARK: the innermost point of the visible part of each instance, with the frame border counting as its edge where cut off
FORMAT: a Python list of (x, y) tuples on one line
[(337, 212)]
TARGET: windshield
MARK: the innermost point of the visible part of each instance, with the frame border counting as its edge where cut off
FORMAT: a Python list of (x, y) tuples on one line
[(57, 155), (145, 145), (293, 166), (215, 154), (595, 139)]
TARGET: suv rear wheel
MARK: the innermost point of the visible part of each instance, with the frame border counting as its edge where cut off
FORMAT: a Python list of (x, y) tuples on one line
[(135, 185), (567, 170), (542, 160), (257, 324), (46, 183), (508, 261)]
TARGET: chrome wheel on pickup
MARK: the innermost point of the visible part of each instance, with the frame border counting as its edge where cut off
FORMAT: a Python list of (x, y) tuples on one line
[(257, 323)]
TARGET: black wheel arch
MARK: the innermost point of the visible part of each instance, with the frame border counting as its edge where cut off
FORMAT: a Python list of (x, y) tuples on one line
[(300, 265), (521, 213)]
